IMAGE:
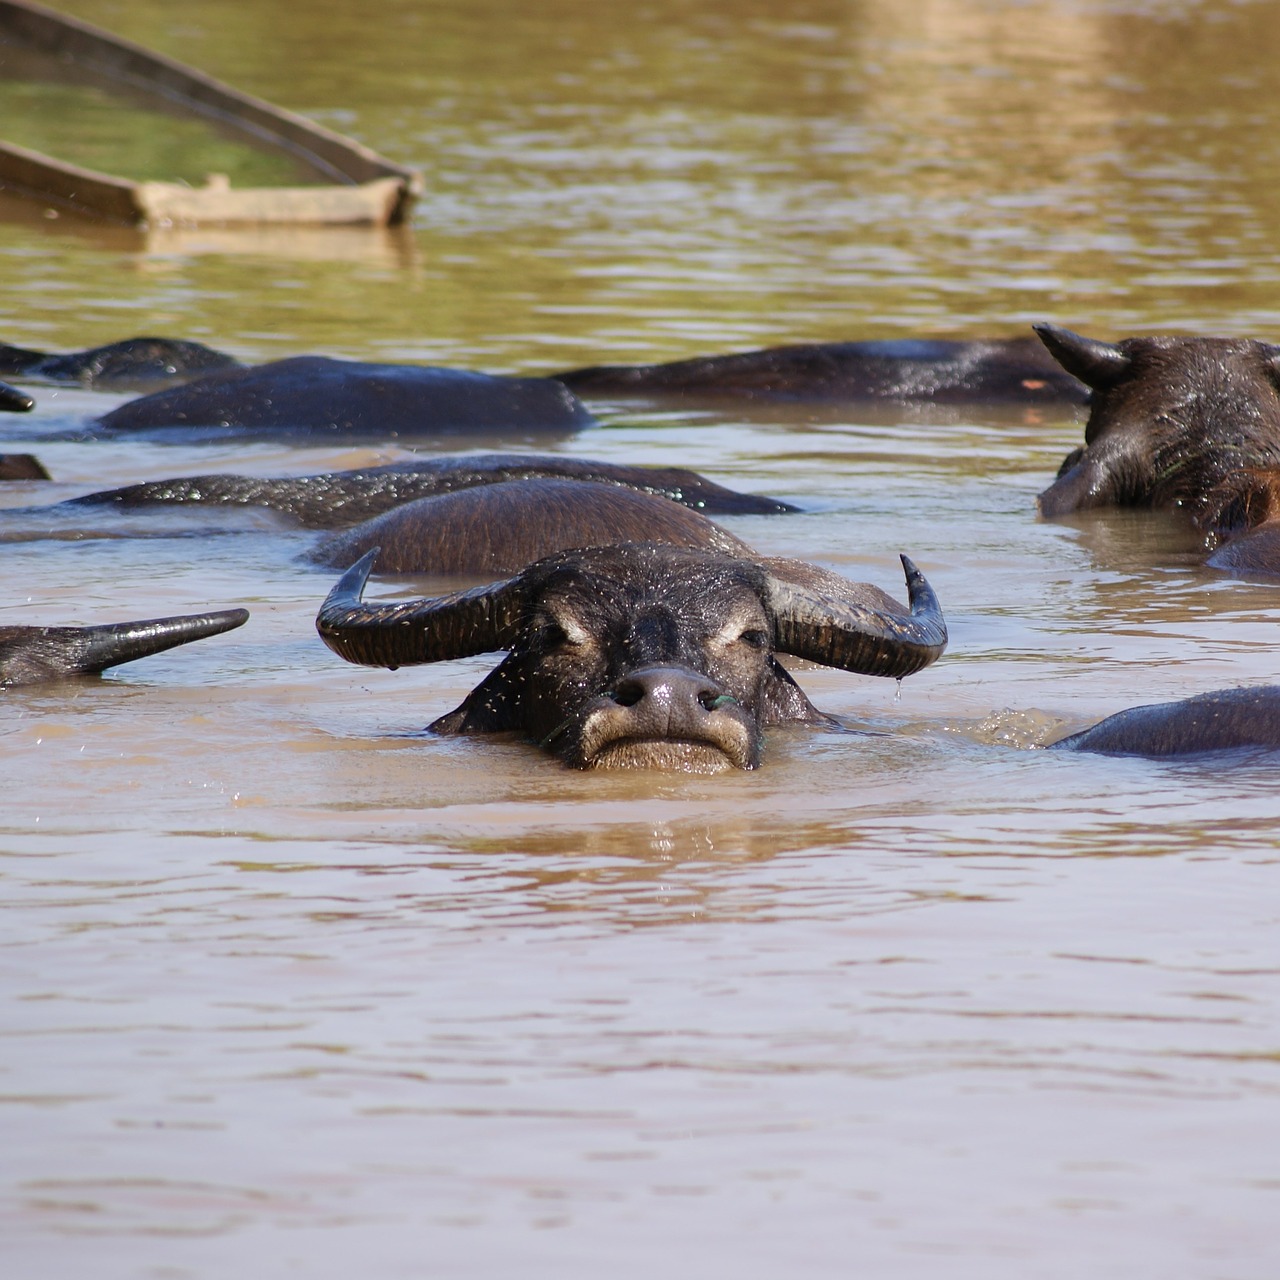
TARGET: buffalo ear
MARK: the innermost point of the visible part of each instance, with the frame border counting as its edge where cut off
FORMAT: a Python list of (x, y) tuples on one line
[(1097, 364), (1271, 358)]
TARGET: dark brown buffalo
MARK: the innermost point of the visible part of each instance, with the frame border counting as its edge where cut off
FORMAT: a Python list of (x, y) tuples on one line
[(499, 528), (136, 364), (315, 396), (339, 499), (1225, 720), (640, 655), (29, 655), (1014, 371), (1186, 424)]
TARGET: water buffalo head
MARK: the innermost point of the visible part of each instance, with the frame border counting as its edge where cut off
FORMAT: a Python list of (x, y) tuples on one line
[(643, 655), (1191, 423)]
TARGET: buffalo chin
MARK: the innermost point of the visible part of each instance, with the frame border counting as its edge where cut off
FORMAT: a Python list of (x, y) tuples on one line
[(672, 755)]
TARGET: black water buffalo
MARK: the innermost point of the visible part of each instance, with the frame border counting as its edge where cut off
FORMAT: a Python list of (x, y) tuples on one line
[(135, 364), (639, 655), (1015, 371), (349, 400), (1187, 424), (29, 655), (14, 401), (338, 499), (1224, 720)]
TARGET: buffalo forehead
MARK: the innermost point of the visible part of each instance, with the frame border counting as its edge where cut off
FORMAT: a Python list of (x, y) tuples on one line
[(706, 603), (1219, 387), (1159, 363)]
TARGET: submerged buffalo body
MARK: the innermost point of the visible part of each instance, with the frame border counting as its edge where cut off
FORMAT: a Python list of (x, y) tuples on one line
[(29, 655), (1225, 720), (945, 371), (347, 399), (339, 499), (499, 528), (22, 466), (481, 514), (1189, 424), (643, 655), (982, 371), (136, 364)]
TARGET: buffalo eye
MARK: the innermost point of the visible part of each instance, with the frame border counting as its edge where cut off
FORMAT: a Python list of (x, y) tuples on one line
[(555, 630), (551, 635), (744, 628)]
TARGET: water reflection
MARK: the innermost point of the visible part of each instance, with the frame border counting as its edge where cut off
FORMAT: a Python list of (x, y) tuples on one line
[(818, 175), (384, 248)]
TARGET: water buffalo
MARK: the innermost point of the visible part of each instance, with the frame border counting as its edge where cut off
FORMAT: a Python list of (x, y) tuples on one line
[(14, 401), (640, 655), (136, 364), (1190, 424), (29, 655), (338, 499), (1227, 719), (1015, 371), (348, 400)]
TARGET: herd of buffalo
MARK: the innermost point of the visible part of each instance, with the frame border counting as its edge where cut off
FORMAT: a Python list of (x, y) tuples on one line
[(638, 632)]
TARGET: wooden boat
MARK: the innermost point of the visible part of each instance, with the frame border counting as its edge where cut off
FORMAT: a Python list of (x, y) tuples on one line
[(354, 184)]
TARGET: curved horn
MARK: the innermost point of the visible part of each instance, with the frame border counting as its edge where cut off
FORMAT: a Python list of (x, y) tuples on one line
[(825, 619), (399, 635), (42, 653), (1095, 363)]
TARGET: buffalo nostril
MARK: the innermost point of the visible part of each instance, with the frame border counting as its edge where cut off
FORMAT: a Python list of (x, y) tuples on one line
[(628, 693)]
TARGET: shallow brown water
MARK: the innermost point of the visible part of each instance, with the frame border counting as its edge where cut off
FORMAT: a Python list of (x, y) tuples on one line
[(291, 989)]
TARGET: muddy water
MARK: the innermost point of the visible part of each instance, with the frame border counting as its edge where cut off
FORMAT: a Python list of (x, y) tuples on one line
[(291, 989)]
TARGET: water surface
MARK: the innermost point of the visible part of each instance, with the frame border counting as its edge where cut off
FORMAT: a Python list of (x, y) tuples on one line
[(291, 988)]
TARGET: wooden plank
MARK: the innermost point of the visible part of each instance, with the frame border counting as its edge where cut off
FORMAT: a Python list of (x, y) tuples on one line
[(168, 204), (379, 191)]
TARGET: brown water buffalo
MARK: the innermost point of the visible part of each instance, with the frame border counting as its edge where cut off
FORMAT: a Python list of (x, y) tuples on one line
[(1225, 720), (499, 528), (1187, 424), (1015, 371), (338, 499), (314, 396), (135, 364), (29, 655), (640, 655)]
